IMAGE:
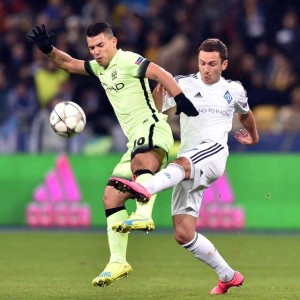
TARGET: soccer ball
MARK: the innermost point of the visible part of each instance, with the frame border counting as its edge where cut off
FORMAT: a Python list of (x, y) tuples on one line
[(67, 119)]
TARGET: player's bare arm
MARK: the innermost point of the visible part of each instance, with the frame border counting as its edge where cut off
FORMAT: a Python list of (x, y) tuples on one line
[(248, 135), (159, 74), (44, 41), (66, 62)]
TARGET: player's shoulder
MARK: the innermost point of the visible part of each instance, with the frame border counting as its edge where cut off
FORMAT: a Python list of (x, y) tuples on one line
[(236, 88), (125, 53), (235, 84), (129, 56), (185, 78)]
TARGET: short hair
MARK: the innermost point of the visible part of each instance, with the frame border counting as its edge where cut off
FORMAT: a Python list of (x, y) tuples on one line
[(97, 28), (214, 45)]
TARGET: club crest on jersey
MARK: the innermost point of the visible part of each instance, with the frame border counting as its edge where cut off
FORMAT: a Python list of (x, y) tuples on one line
[(113, 74), (228, 97), (139, 60)]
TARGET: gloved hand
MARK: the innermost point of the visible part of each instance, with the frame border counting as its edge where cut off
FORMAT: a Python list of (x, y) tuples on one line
[(42, 39), (184, 105)]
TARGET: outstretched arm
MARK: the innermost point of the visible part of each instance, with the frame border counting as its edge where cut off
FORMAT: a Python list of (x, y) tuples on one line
[(248, 135), (44, 41), (64, 61)]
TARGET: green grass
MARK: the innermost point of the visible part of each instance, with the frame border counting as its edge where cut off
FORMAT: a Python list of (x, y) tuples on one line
[(61, 265)]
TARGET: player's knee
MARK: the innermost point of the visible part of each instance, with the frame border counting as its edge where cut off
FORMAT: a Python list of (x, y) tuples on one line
[(146, 160), (183, 236), (184, 163)]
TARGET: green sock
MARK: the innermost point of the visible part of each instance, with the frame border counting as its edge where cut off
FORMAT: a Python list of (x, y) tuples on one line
[(117, 241), (145, 210)]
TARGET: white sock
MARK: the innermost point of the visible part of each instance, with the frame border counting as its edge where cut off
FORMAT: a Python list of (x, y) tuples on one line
[(164, 179), (205, 251)]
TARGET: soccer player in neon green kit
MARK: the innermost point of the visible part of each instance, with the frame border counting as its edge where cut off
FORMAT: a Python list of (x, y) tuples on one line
[(124, 76)]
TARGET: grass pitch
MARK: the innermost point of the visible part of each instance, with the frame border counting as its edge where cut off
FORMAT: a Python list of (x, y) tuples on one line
[(61, 265)]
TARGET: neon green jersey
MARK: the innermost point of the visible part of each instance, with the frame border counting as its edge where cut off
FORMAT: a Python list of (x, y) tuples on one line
[(127, 89)]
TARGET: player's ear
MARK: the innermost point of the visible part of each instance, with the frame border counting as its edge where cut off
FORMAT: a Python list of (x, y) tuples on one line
[(224, 64), (114, 41)]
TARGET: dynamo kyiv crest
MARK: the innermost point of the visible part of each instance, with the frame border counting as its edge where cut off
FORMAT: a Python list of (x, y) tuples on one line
[(228, 97)]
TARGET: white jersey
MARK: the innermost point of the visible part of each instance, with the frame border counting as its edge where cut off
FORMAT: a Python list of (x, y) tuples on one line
[(215, 103)]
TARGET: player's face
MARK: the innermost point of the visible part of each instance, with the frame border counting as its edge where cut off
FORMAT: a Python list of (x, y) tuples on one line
[(103, 48), (210, 66)]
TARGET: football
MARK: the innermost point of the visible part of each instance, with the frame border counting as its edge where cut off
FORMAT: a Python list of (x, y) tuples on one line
[(67, 119)]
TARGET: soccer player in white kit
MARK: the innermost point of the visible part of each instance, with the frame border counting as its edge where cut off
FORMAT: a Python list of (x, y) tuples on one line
[(202, 155)]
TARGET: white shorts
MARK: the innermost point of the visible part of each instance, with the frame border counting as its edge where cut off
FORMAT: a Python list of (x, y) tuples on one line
[(208, 162)]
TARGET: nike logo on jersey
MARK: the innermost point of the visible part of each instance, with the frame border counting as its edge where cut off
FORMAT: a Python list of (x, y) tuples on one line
[(198, 95)]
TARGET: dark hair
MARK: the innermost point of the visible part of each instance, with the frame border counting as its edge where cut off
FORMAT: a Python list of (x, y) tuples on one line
[(214, 45), (97, 28)]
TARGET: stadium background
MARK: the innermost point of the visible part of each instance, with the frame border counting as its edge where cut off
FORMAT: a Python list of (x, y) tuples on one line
[(263, 38)]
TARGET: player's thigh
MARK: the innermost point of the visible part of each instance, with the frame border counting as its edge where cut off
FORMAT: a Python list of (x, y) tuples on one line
[(150, 160), (208, 162), (156, 137), (212, 169), (152, 137), (123, 168), (163, 137), (186, 202)]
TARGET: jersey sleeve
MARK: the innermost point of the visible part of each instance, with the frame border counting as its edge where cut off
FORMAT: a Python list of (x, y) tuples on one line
[(168, 102), (92, 68), (241, 104), (135, 64)]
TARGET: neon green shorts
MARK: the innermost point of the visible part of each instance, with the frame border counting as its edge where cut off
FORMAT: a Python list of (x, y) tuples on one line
[(147, 136)]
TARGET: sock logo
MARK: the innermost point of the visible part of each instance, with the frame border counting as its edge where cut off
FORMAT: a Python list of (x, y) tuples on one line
[(168, 175)]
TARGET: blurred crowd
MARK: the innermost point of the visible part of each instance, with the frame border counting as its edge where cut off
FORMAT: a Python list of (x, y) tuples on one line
[(262, 36)]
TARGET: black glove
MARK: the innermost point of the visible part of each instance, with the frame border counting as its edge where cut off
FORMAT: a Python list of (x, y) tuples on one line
[(184, 105), (42, 39)]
